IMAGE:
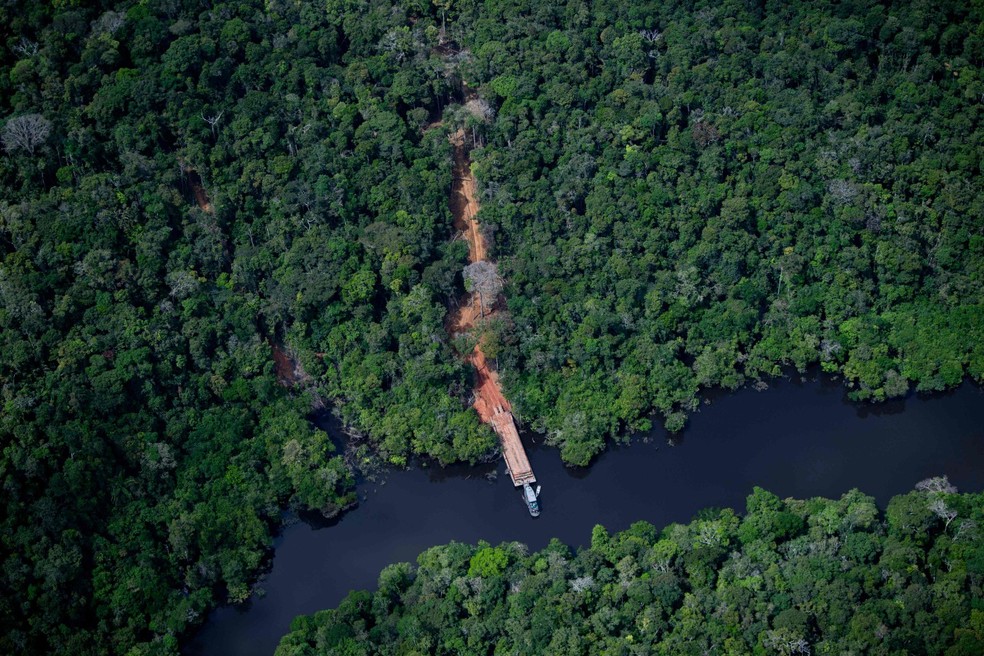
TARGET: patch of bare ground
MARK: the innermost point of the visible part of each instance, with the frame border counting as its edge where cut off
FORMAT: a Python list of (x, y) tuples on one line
[(464, 208), (290, 372), (198, 189)]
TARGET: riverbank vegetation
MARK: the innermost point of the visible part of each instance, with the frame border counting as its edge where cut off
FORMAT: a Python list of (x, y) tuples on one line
[(789, 577), (679, 196), (694, 195), (184, 186)]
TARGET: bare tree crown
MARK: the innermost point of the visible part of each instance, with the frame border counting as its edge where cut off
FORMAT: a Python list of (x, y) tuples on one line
[(937, 484), (483, 277), (25, 132)]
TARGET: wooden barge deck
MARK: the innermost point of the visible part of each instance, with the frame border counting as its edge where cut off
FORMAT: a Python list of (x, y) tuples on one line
[(517, 464)]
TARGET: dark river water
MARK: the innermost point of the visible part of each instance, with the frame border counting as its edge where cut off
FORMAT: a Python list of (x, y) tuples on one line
[(798, 439)]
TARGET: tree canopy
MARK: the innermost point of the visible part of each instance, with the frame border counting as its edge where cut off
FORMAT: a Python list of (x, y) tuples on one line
[(689, 195), (789, 577), (185, 185), (684, 195)]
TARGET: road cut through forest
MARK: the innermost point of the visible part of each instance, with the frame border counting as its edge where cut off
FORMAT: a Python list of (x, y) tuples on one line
[(491, 404)]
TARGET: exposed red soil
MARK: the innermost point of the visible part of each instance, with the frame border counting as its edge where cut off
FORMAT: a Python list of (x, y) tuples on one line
[(464, 201), (464, 208), (287, 367), (201, 197), (491, 404), (488, 390)]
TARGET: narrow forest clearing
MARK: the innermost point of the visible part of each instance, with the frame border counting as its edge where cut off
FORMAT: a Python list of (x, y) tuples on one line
[(490, 403), (198, 189)]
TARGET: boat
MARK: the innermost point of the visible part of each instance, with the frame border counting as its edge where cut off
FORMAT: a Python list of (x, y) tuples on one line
[(530, 497)]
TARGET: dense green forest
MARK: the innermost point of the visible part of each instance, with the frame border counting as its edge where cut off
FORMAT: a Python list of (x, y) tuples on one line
[(681, 195), (789, 577), (147, 448), (694, 194)]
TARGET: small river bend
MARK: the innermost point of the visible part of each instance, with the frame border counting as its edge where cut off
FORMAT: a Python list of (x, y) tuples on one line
[(798, 439)]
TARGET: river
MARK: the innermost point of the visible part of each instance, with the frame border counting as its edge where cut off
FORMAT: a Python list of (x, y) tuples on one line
[(801, 438)]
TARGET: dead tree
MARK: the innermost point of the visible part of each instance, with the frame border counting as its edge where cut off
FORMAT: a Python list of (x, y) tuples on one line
[(213, 121), (26, 48), (936, 487), (939, 484), (109, 23), (25, 132), (483, 278), (939, 508)]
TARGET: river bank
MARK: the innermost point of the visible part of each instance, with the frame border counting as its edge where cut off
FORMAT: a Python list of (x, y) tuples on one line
[(800, 438)]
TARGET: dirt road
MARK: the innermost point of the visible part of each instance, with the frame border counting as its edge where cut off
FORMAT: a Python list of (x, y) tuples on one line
[(490, 403), (464, 200), (464, 207)]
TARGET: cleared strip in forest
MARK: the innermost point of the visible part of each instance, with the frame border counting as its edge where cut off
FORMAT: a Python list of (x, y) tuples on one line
[(490, 403), (201, 197)]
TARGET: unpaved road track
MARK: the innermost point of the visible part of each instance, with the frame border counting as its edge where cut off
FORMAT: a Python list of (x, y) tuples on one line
[(490, 403)]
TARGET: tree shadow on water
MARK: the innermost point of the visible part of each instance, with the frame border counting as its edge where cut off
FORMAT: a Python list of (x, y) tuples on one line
[(881, 409)]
